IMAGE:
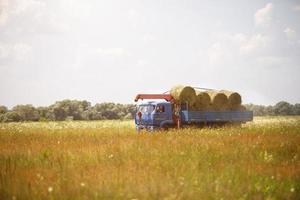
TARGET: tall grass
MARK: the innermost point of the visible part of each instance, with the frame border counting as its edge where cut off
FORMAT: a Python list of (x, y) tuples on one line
[(109, 160)]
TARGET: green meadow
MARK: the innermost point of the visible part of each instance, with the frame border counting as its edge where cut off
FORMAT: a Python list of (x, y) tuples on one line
[(110, 160)]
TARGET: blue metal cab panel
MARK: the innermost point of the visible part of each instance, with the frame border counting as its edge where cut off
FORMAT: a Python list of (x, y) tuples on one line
[(216, 116)]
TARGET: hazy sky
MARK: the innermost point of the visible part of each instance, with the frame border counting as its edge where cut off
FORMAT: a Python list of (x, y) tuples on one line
[(111, 50)]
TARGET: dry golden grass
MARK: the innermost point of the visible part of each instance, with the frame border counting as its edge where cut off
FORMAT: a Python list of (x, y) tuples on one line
[(109, 160)]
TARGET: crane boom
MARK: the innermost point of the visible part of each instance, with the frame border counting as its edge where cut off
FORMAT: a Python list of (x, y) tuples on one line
[(166, 97)]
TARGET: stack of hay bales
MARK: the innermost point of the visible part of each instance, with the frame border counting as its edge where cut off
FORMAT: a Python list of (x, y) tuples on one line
[(210, 100)]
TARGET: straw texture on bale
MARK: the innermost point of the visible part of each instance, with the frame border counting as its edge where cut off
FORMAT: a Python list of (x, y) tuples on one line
[(184, 94), (219, 100), (234, 98), (202, 101)]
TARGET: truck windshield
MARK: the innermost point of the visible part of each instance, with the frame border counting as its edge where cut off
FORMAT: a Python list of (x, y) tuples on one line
[(146, 108)]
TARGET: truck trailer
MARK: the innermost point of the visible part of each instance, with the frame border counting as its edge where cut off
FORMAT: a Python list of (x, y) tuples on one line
[(161, 111)]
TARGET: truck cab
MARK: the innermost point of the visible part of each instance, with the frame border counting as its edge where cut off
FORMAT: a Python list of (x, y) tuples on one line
[(153, 115)]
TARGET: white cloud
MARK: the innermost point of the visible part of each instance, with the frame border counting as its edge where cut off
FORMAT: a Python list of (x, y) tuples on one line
[(132, 14), (32, 16), (272, 61), (148, 38), (216, 53), (3, 12), (254, 43), (290, 33), (263, 16), (239, 38), (136, 18), (18, 51), (9, 9), (77, 10), (22, 51), (296, 8), (133, 17), (227, 46), (141, 63), (30, 6), (112, 52)]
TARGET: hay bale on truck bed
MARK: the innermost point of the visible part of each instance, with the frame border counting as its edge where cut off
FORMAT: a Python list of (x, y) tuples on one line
[(202, 101), (219, 100), (234, 98), (184, 94)]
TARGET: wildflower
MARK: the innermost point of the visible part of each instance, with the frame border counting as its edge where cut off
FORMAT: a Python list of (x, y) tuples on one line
[(292, 189), (50, 189), (58, 142), (111, 156), (82, 184), (268, 157), (295, 157)]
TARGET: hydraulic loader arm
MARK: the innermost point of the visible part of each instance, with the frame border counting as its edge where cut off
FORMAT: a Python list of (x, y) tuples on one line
[(166, 97)]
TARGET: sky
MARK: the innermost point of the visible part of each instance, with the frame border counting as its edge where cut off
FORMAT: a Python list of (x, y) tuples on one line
[(109, 51)]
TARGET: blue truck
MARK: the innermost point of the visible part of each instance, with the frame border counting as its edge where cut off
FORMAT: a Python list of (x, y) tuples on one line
[(164, 113)]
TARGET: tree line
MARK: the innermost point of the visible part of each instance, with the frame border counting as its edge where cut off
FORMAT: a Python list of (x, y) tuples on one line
[(83, 110), (281, 108), (67, 110)]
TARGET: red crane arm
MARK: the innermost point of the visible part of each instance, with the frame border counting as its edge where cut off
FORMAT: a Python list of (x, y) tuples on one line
[(166, 97)]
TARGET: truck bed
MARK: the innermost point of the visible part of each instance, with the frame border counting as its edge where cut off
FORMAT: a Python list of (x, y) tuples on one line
[(216, 116)]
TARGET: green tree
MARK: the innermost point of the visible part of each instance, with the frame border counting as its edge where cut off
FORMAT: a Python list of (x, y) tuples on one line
[(3, 110), (283, 108), (74, 109), (11, 116), (296, 109), (27, 112), (269, 110)]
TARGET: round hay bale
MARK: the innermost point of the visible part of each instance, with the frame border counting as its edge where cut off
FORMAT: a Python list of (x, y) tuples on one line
[(202, 100), (219, 100), (234, 98), (184, 94)]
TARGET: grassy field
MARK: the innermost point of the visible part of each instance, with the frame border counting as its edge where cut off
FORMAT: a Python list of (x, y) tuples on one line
[(109, 160)]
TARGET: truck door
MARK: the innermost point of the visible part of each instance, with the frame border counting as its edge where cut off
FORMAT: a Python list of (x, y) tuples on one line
[(161, 113)]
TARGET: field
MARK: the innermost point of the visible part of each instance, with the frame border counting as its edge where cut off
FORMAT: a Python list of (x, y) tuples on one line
[(109, 160)]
